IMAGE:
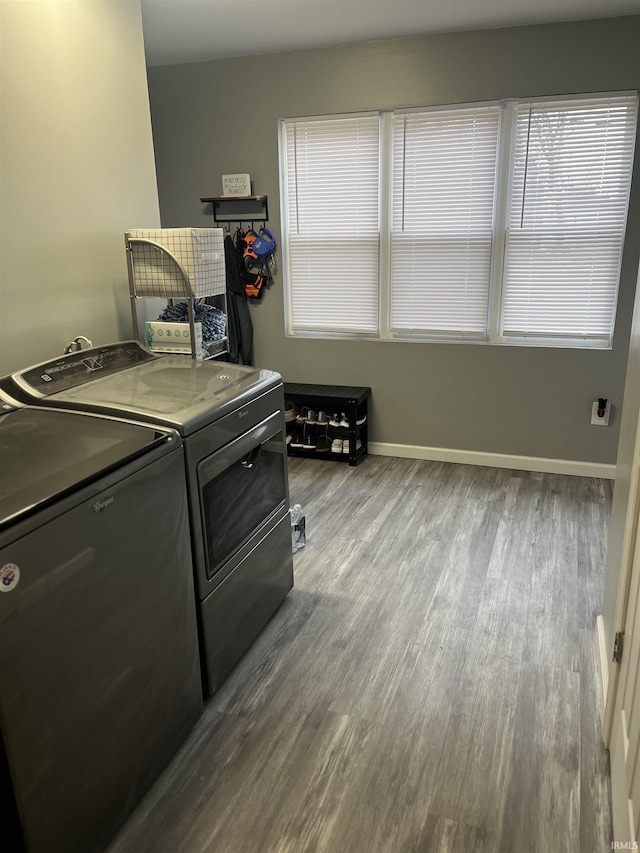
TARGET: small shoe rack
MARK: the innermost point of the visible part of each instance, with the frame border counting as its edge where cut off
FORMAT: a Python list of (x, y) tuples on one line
[(331, 399)]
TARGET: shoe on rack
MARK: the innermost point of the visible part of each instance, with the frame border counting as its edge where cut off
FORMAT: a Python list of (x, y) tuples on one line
[(361, 421), (334, 420), (343, 421), (296, 441), (312, 417), (309, 438), (301, 417), (323, 444), (345, 445), (290, 411), (336, 445), (323, 419), (289, 439)]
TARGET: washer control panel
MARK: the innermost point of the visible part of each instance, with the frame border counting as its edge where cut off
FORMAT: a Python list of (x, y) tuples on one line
[(76, 368)]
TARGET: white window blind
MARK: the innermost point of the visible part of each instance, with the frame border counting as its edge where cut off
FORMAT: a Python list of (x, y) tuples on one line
[(501, 222), (566, 218), (331, 190), (444, 174)]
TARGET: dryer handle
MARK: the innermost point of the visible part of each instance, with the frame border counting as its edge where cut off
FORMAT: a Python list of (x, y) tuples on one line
[(252, 457)]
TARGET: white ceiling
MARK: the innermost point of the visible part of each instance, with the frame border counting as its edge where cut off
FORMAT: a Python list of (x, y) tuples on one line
[(197, 30)]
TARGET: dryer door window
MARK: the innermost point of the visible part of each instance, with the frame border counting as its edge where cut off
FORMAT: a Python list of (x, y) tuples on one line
[(241, 487)]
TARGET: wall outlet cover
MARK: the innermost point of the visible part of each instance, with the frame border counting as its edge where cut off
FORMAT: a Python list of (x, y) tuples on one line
[(595, 420)]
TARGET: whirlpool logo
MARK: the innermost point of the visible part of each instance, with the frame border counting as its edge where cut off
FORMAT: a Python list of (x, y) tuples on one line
[(99, 506), (9, 577)]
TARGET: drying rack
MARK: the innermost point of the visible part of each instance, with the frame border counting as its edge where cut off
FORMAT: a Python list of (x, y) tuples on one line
[(171, 292)]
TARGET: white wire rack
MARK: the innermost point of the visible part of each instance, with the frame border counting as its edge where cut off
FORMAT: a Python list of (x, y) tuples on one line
[(177, 263)]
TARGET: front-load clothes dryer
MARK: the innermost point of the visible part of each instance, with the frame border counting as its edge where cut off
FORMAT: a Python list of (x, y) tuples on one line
[(231, 420), (99, 663)]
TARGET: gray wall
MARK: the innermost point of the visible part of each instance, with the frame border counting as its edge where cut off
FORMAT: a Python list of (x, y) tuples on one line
[(219, 117), (77, 170)]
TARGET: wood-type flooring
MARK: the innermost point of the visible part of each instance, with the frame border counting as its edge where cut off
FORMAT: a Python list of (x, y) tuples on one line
[(429, 685)]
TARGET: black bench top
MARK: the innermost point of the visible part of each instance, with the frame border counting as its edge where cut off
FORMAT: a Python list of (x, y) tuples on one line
[(341, 392)]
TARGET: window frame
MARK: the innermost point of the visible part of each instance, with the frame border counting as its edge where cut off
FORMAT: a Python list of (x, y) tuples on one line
[(503, 187)]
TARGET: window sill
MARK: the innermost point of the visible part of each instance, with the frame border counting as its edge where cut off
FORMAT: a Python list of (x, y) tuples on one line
[(599, 346)]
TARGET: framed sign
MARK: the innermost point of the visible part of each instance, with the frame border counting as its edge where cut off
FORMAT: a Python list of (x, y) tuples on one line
[(239, 185)]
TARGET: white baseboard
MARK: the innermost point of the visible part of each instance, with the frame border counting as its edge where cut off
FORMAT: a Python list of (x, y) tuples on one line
[(494, 460), (603, 657)]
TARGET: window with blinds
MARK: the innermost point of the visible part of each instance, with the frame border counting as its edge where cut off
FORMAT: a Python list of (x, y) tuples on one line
[(331, 195), (501, 222), (444, 174), (567, 215)]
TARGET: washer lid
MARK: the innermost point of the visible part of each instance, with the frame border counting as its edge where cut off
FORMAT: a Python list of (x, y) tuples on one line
[(172, 390), (45, 455)]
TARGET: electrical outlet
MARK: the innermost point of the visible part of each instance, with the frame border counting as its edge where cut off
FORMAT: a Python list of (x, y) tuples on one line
[(595, 419)]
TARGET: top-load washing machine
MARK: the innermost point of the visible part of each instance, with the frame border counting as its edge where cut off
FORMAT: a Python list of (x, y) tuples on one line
[(99, 665), (232, 423)]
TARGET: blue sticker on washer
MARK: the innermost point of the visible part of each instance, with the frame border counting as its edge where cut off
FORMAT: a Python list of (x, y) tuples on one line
[(9, 577)]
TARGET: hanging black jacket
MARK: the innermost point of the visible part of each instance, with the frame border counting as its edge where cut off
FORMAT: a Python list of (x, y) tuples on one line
[(240, 326)]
